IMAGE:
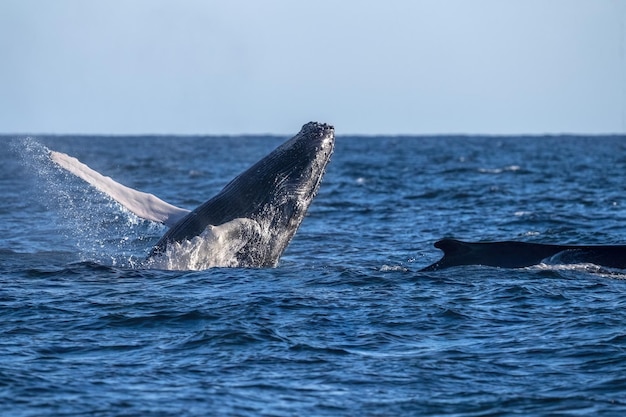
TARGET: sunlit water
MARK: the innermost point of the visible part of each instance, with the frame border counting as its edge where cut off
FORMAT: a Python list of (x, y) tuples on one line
[(345, 325)]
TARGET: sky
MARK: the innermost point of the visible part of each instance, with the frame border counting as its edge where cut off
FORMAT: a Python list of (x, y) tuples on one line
[(367, 67)]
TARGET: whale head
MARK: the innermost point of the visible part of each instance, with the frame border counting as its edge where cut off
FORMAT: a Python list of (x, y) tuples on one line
[(252, 220)]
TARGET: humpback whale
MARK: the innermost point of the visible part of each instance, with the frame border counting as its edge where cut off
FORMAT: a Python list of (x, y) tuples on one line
[(249, 223), (514, 254)]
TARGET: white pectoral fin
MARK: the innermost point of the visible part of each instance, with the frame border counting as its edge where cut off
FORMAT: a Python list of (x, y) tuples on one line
[(144, 205)]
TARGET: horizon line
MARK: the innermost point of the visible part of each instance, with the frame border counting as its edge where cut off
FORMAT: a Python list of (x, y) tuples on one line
[(452, 134)]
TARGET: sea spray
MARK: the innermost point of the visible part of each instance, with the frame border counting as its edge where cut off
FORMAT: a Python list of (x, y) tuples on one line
[(99, 229)]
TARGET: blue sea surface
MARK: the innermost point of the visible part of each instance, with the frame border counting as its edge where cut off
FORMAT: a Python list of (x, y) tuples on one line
[(346, 324)]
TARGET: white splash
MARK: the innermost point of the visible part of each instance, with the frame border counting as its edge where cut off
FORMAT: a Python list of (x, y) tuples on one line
[(217, 246), (99, 228), (509, 168), (588, 268)]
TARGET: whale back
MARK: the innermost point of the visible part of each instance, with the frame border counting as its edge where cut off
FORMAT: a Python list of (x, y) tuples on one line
[(512, 254)]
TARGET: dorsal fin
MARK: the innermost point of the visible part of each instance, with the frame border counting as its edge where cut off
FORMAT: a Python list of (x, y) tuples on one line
[(505, 254)]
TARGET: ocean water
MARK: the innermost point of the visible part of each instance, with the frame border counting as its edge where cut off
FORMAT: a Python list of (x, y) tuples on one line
[(346, 324)]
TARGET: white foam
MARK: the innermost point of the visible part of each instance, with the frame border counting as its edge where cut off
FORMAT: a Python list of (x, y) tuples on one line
[(217, 246), (589, 268)]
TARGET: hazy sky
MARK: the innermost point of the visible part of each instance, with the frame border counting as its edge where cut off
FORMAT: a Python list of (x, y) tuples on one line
[(391, 67)]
